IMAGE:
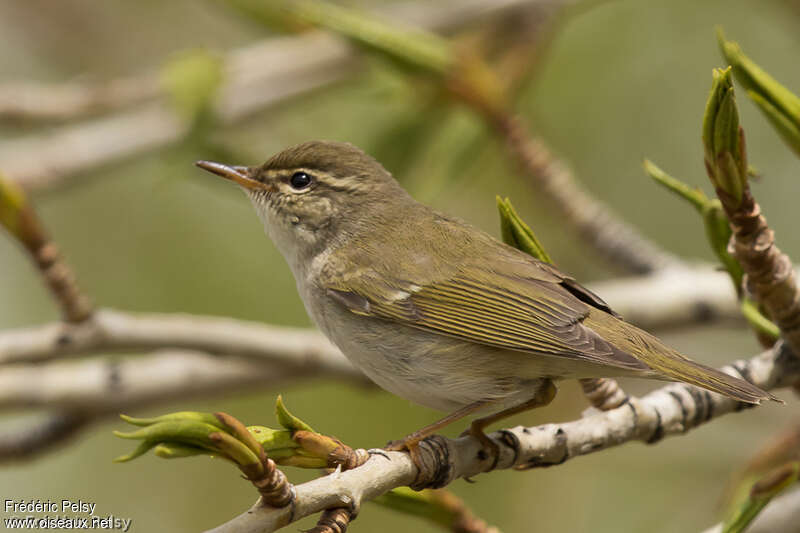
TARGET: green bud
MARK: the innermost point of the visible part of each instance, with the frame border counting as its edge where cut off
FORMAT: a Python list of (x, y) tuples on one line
[(517, 233), (723, 139), (12, 203)]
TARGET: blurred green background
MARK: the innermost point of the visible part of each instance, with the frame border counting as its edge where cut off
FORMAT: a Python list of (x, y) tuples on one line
[(620, 81)]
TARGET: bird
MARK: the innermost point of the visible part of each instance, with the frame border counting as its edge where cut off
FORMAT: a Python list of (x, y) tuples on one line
[(435, 310)]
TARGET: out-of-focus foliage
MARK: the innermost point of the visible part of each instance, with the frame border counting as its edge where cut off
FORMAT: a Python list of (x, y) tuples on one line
[(619, 81)]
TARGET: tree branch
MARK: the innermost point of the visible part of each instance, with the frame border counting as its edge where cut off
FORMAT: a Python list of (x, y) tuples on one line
[(19, 218), (677, 297), (670, 410), (619, 242), (110, 330), (108, 386), (55, 430), (56, 102)]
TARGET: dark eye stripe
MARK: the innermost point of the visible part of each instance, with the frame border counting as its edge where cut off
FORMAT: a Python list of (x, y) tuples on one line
[(300, 180)]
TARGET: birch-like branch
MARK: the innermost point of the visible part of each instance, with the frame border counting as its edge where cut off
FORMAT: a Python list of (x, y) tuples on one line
[(56, 102), (109, 385), (679, 297), (108, 330), (670, 410)]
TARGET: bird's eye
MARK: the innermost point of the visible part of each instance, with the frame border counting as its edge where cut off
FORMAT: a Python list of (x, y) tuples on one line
[(300, 181)]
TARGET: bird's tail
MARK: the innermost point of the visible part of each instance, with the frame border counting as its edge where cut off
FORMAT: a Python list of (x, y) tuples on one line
[(703, 376), (670, 364)]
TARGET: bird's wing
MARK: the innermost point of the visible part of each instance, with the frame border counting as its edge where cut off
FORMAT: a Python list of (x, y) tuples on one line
[(512, 301)]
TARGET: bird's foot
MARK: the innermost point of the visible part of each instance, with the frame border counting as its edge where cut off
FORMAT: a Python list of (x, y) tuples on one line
[(489, 448), (409, 444)]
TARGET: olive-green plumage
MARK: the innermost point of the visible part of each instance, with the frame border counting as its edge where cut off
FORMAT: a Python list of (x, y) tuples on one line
[(432, 308), (507, 299)]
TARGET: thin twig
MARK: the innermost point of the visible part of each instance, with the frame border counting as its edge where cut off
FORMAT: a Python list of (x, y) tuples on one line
[(27, 229), (617, 241)]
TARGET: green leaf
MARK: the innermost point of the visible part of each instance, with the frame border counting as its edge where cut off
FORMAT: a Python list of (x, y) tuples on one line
[(273, 440), (174, 450), (788, 130), (517, 233), (757, 320), (140, 450), (287, 419), (184, 431), (192, 80), (694, 196), (415, 49), (423, 504), (718, 232), (761, 493), (779, 104), (196, 416), (274, 14)]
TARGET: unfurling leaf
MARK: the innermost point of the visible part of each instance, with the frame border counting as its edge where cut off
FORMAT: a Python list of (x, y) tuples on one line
[(517, 233), (779, 104)]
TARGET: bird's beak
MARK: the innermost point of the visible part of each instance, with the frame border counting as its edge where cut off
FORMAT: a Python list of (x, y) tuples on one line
[(238, 175)]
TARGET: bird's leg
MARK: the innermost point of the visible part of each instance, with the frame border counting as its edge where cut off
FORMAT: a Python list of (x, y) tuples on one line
[(543, 396), (411, 442)]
